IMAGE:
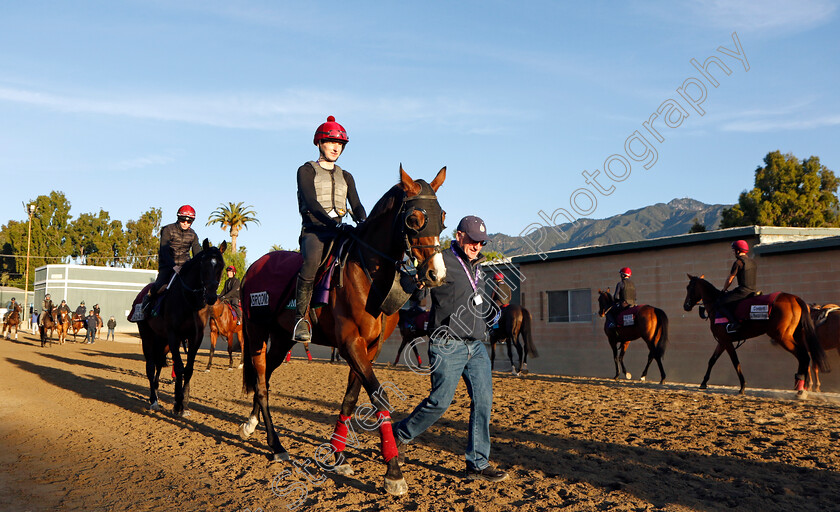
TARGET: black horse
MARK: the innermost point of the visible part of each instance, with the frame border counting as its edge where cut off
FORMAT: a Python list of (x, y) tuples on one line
[(183, 316), (514, 324)]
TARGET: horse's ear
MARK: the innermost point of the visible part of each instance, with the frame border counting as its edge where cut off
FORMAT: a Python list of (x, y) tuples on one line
[(690, 277), (206, 244), (407, 184), (438, 181), (223, 247)]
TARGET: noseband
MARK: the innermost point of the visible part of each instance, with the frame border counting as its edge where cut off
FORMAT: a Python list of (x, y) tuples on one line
[(432, 226)]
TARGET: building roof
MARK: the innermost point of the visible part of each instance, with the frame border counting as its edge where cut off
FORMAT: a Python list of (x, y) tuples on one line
[(810, 238)]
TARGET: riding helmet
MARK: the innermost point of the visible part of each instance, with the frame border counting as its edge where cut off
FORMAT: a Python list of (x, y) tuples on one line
[(741, 245), (498, 276), (626, 271), (331, 131), (186, 211), (231, 267)]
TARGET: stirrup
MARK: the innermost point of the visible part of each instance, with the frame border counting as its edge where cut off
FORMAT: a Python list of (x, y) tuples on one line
[(732, 328), (302, 333)]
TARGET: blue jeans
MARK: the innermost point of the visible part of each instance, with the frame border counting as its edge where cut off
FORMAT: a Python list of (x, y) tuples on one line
[(451, 360)]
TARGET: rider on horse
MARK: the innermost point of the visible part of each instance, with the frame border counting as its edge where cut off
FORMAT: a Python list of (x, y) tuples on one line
[(176, 242), (63, 308), (47, 310), (81, 311), (501, 296), (230, 293), (10, 309), (624, 296), (324, 189), (744, 270)]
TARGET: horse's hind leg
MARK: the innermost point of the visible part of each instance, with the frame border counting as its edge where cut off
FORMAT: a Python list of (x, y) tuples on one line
[(213, 338), (712, 360)]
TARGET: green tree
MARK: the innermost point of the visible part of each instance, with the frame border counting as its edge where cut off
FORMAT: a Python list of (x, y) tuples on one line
[(95, 239), (143, 239), (787, 192), (697, 227), (233, 217), (238, 259)]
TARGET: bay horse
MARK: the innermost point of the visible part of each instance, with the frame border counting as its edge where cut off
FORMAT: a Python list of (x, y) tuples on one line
[(514, 323), (48, 325), (789, 325), (183, 316), (399, 240), (222, 322), (12, 320), (826, 320), (649, 323)]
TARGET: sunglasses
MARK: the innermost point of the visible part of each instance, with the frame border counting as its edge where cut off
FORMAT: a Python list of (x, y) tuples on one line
[(185, 219), (470, 241)]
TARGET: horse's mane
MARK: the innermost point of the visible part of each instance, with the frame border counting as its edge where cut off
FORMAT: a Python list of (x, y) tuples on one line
[(382, 207), (194, 261)]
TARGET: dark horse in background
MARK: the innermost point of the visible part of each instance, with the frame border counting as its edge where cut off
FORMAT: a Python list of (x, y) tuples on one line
[(48, 325), (514, 322), (789, 325), (222, 322), (412, 325), (399, 240), (826, 320), (12, 320), (183, 315), (649, 323)]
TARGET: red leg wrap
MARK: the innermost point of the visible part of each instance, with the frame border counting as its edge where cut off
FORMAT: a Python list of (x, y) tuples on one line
[(288, 356), (800, 385), (386, 435), (339, 437), (308, 355)]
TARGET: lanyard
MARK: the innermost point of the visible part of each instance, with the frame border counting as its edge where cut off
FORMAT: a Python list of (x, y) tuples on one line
[(473, 283)]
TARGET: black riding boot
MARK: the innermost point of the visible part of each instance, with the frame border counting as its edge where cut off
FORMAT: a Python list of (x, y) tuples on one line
[(302, 297)]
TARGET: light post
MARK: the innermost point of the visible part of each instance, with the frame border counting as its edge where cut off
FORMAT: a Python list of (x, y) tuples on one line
[(30, 209)]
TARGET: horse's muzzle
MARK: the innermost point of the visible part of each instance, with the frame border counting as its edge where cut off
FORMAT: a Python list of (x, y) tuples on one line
[(688, 306)]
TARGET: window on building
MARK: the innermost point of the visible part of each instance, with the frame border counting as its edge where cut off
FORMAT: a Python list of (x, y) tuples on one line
[(570, 306)]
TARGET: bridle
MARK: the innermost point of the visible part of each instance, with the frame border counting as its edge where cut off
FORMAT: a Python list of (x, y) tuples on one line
[(195, 296)]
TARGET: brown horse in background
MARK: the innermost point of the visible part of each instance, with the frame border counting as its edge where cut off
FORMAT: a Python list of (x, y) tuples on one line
[(790, 326), (77, 323), (411, 331), (61, 326), (514, 321), (48, 325), (650, 324), (222, 322), (12, 320), (400, 238), (826, 320)]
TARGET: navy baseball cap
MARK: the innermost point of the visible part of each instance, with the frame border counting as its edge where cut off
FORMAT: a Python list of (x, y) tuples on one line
[(473, 227)]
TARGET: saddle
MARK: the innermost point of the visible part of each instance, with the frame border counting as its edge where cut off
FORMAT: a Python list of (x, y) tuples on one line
[(135, 313), (627, 316), (754, 307)]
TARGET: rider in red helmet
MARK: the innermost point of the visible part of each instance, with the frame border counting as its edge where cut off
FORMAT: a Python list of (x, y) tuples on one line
[(230, 292), (324, 191), (744, 270), (624, 296), (177, 240)]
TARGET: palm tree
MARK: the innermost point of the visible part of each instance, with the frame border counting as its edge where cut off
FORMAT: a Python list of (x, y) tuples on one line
[(233, 217)]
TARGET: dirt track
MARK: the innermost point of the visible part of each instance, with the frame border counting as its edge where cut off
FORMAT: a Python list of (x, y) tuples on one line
[(77, 435)]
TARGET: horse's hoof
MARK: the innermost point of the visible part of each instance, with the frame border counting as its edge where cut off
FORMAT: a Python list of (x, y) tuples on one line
[(184, 414), (802, 395), (641, 379), (344, 470), (207, 370), (396, 487), (628, 376), (155, 406), (243, 431), (280, 456), (702, 386), (240, 366)]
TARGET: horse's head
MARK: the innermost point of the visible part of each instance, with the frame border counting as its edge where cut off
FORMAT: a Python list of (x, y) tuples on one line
[(420, 223), (210, 265), (693, 292), (605, 302)]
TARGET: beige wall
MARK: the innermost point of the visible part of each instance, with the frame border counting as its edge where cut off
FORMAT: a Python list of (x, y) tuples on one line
[(660, 278)]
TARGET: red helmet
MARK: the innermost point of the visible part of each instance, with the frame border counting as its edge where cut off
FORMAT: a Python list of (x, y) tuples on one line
[(186, 211), (498, 276), (741, 245), (626, 271), (231, 267), (331, 131)]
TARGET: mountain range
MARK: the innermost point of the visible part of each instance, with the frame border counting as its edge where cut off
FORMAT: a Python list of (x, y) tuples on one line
[(659, 220)]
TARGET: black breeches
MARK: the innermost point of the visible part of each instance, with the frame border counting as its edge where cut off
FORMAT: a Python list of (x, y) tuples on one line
[(312, 249)]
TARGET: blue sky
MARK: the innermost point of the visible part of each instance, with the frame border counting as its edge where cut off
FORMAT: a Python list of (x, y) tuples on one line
[(126, 105)]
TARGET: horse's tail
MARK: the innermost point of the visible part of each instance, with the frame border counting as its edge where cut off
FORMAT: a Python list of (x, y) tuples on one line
[(526, 330), (249, 372), (662, 332), (806, 323)]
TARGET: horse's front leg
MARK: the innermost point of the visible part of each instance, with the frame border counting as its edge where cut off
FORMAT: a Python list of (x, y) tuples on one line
[(192, 352), (177, 370), (712, 360), (357, 353), (213, 337), (339, 439), (733, 355), (621, 353)]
